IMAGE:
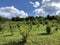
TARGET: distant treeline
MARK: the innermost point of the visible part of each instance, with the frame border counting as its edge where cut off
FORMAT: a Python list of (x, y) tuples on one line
[(31, 18)]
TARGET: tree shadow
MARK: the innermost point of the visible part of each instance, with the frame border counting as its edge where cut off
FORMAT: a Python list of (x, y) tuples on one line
[(7, 35), (45, 34), (14, 43), (18, 43)]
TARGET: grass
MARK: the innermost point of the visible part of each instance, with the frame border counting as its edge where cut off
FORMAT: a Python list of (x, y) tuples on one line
[(6, 37), (35, 37)]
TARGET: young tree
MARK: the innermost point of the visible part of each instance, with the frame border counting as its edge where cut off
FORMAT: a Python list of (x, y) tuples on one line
[(0, 27), (48, 29), (58, 22), (10, 28), (37, 23)]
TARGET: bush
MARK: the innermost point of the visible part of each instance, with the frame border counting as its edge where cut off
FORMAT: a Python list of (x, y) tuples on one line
[(0, 28), (10, 28), (48, 29), (57, 27)]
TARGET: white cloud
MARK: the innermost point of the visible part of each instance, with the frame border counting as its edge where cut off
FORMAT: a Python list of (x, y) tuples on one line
[(51, 7), (56, 5), (10, 12), (45, 1), (35, 4), (58, 12), (39, 11)]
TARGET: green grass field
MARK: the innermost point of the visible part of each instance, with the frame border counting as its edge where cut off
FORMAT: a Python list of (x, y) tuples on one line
[(35, 36)]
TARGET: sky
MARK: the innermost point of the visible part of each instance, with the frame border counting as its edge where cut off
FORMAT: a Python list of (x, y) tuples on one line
[(25, 8)]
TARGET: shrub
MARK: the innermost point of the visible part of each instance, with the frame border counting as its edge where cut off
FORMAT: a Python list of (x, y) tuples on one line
[(0, 28), (56, 28), (11, 28), (46, 22), (48, 29), (30, 26)]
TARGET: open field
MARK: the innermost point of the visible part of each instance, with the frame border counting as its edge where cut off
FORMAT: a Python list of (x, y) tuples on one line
[(24, 34)]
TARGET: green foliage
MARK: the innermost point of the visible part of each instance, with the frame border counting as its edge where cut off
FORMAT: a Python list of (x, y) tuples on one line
[(3, 19), (48, 29), (27, 34), (11, 28), (0, 28), (31, 31)]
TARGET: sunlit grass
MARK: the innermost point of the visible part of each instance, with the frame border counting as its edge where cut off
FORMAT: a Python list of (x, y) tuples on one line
[(35, 36)]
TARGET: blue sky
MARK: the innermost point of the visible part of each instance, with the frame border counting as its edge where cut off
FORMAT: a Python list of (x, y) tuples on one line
[(31, 7), (19, 4)]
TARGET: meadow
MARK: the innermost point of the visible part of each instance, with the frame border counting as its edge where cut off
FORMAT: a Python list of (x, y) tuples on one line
[(30, 31), (22, 33)]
